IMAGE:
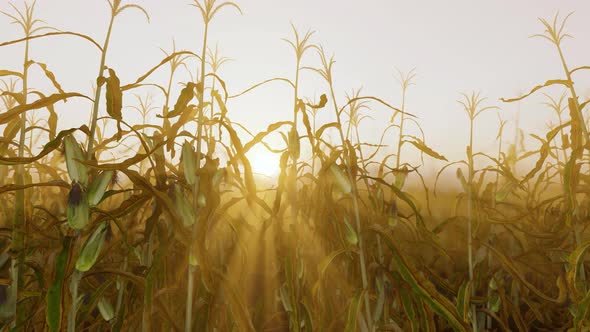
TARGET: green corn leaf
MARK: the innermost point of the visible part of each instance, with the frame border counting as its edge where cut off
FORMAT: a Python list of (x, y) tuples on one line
[(53, 313), (183, 207), (91, 248), (78, 210), (351, 236), (189, 163), (106, 309), (77, 171), (98, 187), (341, 179)]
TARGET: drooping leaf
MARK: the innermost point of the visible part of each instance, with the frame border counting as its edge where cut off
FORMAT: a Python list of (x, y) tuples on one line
[(320, 131), (53, 33), (5, 117), (575, 263), (306, 123), (514, 271), (566, 83), (180, 231), (462, 179), (241, 154), (10, 131), (438, 303), (125, 163), (353, 311), (464, 300), (420, 145), (4, 72), (50, 76), (321, 104), (153, 69), (186, 95), (544, 151), (15, 187), (325, 263), (261, 135), (114, 99)]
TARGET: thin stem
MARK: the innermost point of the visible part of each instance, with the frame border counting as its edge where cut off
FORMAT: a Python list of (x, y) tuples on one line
[(401, 129), (165, 121), (18, 232), (149, 283), (355, 207), (191, 269), (470, 222), (211, 146), (582, 123), (99, 89), (294, 211), (574, 95), (74, 283), (75, 280), (492, 228), (189, 298), (121, 291), (562, 150)]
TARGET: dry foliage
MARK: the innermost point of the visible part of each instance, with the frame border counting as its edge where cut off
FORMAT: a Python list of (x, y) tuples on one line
[(170, 238)]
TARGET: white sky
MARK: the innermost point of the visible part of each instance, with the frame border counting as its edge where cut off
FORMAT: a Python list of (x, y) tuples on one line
[(456, 46)]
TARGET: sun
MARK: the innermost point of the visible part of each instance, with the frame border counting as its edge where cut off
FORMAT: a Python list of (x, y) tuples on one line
[(264, 162)]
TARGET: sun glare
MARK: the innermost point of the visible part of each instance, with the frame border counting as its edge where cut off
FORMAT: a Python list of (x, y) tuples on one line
[(264, 162)]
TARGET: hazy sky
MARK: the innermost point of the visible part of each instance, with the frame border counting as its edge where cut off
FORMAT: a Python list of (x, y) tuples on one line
[(455, 46)]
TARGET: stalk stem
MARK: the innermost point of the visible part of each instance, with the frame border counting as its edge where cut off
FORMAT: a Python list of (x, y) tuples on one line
[(355, 207), (75, 279), (99, 89), (196, 188), (401, 129), (586, 139), (470, 221), (18, 233), (74, 283)]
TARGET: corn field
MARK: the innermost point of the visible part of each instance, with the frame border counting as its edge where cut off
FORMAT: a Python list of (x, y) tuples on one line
[(164, 224)]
